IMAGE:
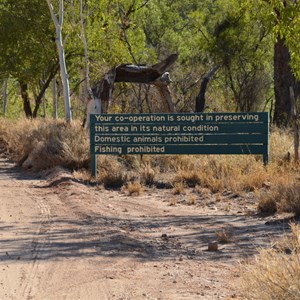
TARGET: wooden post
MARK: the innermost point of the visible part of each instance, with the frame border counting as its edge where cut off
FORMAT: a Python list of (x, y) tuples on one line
[(295, 124), (266, 154)]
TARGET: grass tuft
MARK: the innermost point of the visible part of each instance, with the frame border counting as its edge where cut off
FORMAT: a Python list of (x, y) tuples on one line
[(223, 236), (134, 189), (148, 175), (179, 188), (282, 197), (275, 274)]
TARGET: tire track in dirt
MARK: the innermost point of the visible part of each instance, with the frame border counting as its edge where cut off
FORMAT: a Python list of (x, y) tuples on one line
[(40, 242)]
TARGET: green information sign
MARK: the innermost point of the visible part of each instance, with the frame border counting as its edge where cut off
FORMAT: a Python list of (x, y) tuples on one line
[(206, 133)]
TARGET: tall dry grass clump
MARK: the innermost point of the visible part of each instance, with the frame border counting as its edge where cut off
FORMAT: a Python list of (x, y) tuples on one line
[(275, 274), (282, 197), (112, 172), (41, 144)]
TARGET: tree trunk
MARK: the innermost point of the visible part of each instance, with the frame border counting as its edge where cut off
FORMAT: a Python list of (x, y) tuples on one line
[(4, 93), (43, 87), (44, 106), (200, 99), (156, 74), (26, 101), (64, 75), (58, 22), (55, 99), (295, 124), (165, 93), (283, 80), (84, 38)]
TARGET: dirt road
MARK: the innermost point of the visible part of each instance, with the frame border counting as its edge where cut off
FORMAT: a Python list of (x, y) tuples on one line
[(61, 239)]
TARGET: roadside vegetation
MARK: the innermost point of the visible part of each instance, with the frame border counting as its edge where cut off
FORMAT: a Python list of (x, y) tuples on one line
[(43, 144), (275, 275)]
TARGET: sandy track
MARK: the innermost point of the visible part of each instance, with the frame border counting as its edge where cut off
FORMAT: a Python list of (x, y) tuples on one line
[(63, 240)]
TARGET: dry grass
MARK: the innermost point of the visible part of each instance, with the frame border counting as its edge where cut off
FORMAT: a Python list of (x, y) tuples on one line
[(282, 197), (111, 172), (190, 178), (275, 275), (42, 144), (223, 236), (173, 201), (83, 175), (192, 199), (148, 175), (134, 189), (267, 203), (179, 188)]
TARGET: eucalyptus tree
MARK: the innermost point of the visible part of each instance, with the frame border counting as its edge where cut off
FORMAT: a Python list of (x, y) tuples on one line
[(58, 21), (27, 52), (209, 36), (286, 57), (4, 96), (282, 17), (242, 46)]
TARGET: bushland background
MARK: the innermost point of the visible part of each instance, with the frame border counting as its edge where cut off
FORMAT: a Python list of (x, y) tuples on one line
[(248, 51)]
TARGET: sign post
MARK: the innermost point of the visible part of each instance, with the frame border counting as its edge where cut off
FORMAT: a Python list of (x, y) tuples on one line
[(195, 133)]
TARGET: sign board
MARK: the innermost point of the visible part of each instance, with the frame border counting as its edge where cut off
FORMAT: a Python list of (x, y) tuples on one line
[(194, 133)]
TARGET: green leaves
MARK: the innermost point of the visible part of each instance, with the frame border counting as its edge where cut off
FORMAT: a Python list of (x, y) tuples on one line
[(25, 38)]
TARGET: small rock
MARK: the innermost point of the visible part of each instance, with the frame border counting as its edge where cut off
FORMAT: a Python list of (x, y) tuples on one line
[(213, 246), (164, 236)]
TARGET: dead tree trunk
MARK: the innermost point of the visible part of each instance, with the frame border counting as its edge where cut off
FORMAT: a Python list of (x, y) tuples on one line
[(200, 99), (156, 74), (162, 84)]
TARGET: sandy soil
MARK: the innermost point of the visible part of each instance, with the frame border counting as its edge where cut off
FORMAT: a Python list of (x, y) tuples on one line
[(61, 239)]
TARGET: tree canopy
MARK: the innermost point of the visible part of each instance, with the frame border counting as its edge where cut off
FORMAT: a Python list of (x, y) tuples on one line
[(236, 38)]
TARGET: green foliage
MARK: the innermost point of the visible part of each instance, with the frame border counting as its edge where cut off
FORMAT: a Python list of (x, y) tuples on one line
[(282, 18), (14, 104), (26, 42), (237, 36)]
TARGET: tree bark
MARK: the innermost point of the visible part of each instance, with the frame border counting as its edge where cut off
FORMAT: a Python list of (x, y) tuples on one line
[(4, 93), (283, 80), (164, 90), (26, 101), (40, 97), (58, 22), (200, 99), (55, 99), (84, 38), (155, 74), (295, 124)]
